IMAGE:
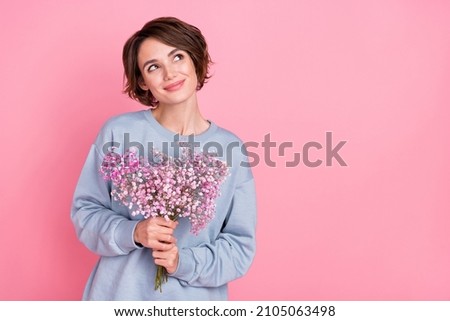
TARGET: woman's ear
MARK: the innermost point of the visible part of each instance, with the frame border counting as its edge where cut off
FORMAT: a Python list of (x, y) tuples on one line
[(142, 84)]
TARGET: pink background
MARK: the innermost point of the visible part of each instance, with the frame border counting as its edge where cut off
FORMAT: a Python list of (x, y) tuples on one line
[(375, 73)]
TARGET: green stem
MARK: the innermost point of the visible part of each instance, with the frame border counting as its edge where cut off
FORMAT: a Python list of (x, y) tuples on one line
[(161, 272), (160, 278)]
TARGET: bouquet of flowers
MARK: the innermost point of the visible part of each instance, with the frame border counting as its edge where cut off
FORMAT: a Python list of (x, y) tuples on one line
[(168, 187)]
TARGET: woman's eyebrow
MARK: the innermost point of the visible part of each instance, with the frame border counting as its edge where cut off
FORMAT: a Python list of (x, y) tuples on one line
[(155, 60)]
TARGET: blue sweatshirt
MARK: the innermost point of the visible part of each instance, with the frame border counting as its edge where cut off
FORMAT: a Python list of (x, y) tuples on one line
[(220, 253)]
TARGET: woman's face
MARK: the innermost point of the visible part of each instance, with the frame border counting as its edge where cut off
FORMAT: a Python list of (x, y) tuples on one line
[(167, 72)]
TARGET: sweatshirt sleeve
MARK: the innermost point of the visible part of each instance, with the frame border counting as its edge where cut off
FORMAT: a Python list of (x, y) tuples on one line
[(230, 256), (98, 227)]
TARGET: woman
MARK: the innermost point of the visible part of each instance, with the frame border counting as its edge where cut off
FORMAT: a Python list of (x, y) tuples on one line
[(166, 63)]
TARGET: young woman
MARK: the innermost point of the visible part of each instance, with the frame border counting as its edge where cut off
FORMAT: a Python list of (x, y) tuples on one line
[(166, 63)]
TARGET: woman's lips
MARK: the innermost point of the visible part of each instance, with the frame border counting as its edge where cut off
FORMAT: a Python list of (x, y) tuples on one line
[(175, 86)]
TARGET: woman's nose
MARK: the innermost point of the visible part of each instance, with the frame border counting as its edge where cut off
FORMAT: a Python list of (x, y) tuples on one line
[(169, 73)]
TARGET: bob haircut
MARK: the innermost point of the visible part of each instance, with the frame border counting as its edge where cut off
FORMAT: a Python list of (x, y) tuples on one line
[(172, 32)]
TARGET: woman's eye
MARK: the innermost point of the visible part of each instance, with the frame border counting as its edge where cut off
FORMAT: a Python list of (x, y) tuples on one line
[(152, 67), (178, 57)]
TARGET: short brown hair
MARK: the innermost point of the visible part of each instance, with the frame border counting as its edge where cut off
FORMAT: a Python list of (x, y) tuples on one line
[(172, 32)]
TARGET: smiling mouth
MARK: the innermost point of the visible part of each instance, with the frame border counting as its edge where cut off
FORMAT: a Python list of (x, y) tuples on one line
[(175, 86)]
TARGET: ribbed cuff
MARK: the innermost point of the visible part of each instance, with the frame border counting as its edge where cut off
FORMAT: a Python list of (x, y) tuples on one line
[(186, 266), (124, 236)]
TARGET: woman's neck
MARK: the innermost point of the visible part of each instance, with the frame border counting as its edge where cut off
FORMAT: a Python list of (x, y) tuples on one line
[(184, 119)]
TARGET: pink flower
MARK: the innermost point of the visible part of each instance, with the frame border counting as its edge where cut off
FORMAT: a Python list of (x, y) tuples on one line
[(186, 187)]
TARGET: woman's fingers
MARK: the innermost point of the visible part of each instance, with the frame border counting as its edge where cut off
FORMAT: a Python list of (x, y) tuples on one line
[(161, 221), (155, 232), (159, 225), (160, 246), (167, 259)]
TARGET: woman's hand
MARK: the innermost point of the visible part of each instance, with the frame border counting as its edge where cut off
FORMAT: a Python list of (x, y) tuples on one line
[(167, 259), (156, 233)]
